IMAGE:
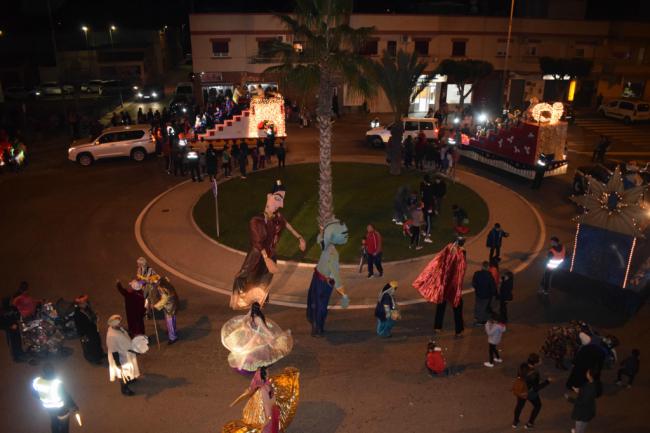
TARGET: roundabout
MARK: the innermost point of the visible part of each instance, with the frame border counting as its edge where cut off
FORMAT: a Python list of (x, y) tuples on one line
[(363, 194), (168, 234)]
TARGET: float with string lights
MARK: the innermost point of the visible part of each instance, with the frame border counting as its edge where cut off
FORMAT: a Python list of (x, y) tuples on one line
[(609, 230)]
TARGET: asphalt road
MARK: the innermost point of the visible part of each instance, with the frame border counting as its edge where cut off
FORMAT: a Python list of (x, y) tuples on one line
[(69, 230)]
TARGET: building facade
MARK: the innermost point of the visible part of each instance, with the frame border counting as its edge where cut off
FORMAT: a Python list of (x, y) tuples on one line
[(228, 49)]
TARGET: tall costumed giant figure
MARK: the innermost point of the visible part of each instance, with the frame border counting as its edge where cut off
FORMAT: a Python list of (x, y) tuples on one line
[(254, 278), (326, 276)]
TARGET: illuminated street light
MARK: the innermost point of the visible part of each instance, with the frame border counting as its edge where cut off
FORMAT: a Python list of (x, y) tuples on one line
[(85, 30), (111, 29)]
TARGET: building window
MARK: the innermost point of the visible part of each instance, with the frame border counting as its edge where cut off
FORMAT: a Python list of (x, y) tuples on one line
[(264, 47), (531, 50), (422, 47), (579, 52), (370, 48), (220, 47), (458, 48), (391, 48)]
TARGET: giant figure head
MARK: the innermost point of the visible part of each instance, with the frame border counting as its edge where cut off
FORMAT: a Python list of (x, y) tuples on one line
[(275, 199), (335, 233)]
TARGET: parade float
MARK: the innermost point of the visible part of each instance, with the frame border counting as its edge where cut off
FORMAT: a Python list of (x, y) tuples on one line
[(519, 145), (610, 244), (265, 116)]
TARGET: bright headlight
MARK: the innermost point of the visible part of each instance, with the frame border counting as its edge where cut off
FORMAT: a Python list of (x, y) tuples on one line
[(140, 95), (154, 94)]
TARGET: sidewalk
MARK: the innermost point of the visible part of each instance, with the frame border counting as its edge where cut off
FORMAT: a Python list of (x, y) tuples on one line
[(166, 232)]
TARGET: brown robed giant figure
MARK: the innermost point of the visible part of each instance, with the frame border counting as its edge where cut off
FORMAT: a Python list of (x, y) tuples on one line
[(254, 278)]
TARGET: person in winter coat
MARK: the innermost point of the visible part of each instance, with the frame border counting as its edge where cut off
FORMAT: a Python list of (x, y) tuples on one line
[(435, 362), (386, 310), (505, 294), (85, 321), (211, 163), (629, 368), (494, 330), (417, 222), (484, 290), (494, 240), (584, 405), (590, 356), (373, 245), (420, 147), (439, 192), (534, 384), (10, 323)]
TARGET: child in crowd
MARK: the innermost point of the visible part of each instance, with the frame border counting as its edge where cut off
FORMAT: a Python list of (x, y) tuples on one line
[(435, 362), (494, 329), (629, 368)]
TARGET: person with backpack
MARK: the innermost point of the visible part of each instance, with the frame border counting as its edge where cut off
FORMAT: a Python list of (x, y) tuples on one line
[(386, 310), (526, 388)]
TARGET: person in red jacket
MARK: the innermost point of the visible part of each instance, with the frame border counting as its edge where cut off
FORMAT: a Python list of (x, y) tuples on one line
[(373, 250), (435, 362)]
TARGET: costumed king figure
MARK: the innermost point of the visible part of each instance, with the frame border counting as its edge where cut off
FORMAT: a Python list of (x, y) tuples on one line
[(168, 303), (441, 281), (271, 403), (326, 277), (254, 341), (134, 300), (85, 321), (122, 361), (254, 278)]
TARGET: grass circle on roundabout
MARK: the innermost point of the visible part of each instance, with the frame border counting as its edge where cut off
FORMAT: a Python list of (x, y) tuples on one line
[(363, 193)]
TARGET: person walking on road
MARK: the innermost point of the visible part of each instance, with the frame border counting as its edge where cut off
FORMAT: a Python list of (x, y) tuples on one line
[(505, 294), (211, 164), (373, 243), (85, 321), (629, 368), (415, 228), (584, 405), (281, 153), (122, 361), (494, 240), (192, 162), (601, 149), (428, 199), (484, 291), (528, 372), (554, 259), (56, 401), (10, 323), (439, 192), (168, 303), (386, 310), (494, 329)]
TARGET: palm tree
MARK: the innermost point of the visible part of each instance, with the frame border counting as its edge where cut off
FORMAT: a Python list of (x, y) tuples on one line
[(464, 73), (399, 77), (329, 54)]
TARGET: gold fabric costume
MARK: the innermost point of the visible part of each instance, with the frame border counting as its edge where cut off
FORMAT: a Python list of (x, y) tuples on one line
[(286, 387)]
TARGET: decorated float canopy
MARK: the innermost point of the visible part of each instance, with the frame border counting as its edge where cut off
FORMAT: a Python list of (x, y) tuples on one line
[(517, 148), (609, 231), (263, 115)]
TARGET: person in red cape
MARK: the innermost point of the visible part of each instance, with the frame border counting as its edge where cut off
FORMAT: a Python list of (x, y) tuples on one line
[(441, 282)]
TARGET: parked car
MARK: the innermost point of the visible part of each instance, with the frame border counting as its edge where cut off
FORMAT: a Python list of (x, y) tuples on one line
[(181, 105), (630, 110), (600, 172), (134, 141), (51, 88), (92, 86), (18, 93), (379, 135), (68, 88), (149, 93)]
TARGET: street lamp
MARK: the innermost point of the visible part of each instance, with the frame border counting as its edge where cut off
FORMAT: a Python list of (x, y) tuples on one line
[(85, 30), (111, 29)]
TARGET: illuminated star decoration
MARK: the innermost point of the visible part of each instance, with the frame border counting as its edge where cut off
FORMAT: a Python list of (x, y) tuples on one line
[(611, 207)]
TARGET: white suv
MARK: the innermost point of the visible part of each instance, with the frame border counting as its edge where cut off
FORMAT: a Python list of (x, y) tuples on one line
[(134, 141), (630, 110), (379, 136)]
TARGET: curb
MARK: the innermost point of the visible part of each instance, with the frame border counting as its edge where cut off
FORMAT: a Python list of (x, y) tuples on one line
[(285, 303)]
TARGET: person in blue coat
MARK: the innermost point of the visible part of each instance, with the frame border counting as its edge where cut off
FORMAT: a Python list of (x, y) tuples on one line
[(494, 239)]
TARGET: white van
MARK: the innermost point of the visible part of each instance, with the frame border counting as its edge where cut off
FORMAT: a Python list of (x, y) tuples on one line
[(630, 110)]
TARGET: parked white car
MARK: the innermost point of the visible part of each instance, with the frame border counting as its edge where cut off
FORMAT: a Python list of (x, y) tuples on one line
[(134, 141), (379, 135), (92, 86), (630, 110), (51, 88)]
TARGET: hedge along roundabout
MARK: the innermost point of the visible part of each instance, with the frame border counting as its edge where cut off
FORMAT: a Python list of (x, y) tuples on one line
[(363, 193)]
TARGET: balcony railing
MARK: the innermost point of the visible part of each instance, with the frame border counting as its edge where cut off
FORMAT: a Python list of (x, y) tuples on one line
[(263, 59)]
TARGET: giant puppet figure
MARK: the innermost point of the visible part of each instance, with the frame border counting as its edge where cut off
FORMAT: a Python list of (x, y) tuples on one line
[(326, 277), (441, 281), (254, 278)]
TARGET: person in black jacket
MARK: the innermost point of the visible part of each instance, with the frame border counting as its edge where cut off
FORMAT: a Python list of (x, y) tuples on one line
[(505, 294), (584, 405), (630, 367), (484, 290), (10, 323), (439, 192), (494, 240), (534, 385), (85, 321)]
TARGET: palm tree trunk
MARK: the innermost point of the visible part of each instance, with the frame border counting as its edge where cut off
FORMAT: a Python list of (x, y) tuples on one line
[(395, 147), (324, 119)]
